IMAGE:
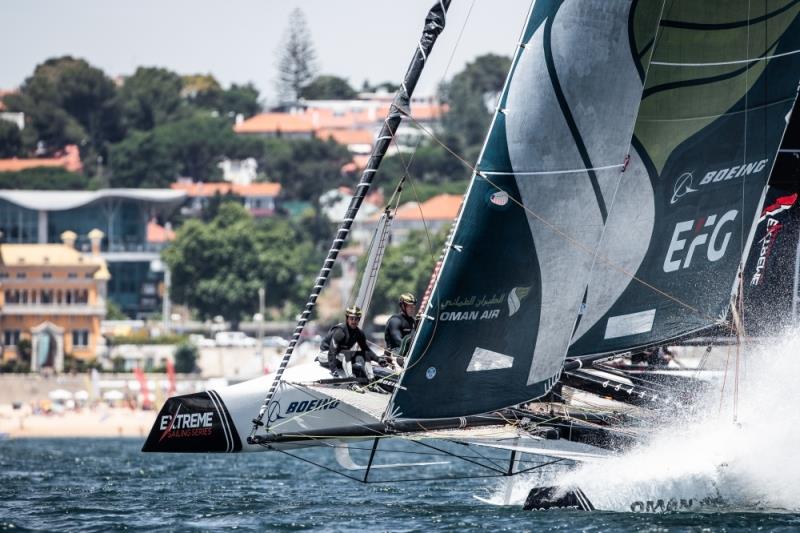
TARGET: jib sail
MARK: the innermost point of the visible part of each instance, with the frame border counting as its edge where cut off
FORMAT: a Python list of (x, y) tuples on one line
[(503, 308), (722, 82)]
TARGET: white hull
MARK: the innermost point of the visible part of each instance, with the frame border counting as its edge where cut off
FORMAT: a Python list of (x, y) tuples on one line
[(221, 420)]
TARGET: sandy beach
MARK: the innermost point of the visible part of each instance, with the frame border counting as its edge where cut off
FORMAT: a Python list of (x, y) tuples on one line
[(100, 421)]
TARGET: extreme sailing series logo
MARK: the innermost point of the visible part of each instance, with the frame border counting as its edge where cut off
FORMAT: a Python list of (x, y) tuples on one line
[(186, 425), (771, 231)]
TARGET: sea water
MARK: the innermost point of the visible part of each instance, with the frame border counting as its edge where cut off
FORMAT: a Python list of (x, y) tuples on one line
[(746, 472), (738, 450), (108, 485)]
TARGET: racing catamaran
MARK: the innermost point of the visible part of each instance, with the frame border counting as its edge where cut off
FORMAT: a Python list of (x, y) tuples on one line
[(611, 209)]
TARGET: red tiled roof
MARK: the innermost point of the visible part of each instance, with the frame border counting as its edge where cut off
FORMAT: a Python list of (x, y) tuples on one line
[(211, 189), (71, 161), (158, 233), (276, 122), (441, 207), (347, 136)]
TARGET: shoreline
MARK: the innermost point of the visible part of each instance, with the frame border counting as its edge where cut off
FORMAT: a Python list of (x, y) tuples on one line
[(95, 422)]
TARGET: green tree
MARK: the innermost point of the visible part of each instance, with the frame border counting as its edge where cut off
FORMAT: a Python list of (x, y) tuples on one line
[(406, 267), (217, 268), (142, 160), (44, 178), (10, 139), (328, 88), (471, 95), (67, 101), (240, 100), (189, 147), (296, 64), (151, 97), (305, 168), (185, 358), (430, 164), (113, 312), (197, 144), (202, 90)]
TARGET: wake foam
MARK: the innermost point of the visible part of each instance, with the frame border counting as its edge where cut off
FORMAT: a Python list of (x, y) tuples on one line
[(708, 460)]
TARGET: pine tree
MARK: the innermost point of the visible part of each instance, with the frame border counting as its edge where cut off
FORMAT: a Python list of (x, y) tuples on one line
[(296, 65)]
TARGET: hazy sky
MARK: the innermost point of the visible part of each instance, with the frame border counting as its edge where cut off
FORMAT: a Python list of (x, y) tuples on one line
[(238, 40)]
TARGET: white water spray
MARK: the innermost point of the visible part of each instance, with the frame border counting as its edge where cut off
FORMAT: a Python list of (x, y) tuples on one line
[(710, 460)]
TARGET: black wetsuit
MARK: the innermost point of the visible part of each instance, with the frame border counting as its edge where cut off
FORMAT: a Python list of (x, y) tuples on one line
[(397, 327), (341, 338)]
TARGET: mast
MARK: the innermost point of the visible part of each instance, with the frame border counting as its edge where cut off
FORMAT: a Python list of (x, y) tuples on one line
[(434, 24)]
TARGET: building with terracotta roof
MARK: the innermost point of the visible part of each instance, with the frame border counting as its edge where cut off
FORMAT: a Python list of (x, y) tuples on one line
[(40, 217), (354, 123), (54, 296), (69, 159), (432, 215), (260, 199)]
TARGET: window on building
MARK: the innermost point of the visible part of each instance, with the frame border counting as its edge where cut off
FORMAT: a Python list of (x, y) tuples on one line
[(3, 275), (47, 275), (21, 275), (10, 337), (88, 275), (72, 275), (23, 297), (80, 337), (82, 296), (46, 297), (12, 296)]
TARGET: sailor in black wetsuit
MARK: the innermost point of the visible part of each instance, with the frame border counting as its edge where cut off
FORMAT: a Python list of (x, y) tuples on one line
[(341, 338), (399, 327)]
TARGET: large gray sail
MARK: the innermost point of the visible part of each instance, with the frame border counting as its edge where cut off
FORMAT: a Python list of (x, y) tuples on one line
[(722, 82), (503, 309)]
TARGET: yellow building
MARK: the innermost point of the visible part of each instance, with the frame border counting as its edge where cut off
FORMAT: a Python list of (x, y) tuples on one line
[(55, 296)]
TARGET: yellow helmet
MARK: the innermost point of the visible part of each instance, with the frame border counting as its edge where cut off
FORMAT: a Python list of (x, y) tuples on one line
[(408, 298), (353, 310)]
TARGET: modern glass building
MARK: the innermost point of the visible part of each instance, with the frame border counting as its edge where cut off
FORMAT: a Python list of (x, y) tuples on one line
[(122, 214)]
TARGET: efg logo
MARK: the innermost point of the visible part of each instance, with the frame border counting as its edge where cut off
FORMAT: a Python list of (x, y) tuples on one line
[(708, 236)]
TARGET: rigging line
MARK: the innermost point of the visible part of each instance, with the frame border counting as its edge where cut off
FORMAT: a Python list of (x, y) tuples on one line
[(724, 63), (574, 242), (498, 468), (318, 465), (716, 115), (551, 172)]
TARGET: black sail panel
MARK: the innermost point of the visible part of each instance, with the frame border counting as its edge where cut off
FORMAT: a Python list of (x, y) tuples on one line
[(504, 306), (722, 82)]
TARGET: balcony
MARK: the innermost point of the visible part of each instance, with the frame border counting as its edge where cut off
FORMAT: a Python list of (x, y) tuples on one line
[(54, 309)]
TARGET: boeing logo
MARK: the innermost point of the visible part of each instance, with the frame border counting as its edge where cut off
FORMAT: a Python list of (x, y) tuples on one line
[(684, 184)]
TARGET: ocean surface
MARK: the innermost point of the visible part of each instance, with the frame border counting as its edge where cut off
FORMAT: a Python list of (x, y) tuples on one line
[(109, 485)]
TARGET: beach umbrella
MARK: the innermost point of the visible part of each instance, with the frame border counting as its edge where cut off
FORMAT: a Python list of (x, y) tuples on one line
[(113, 395), (59, 394), (82, 395)]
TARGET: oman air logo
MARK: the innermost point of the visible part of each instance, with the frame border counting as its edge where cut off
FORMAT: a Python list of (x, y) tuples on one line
[(515, 297), (683, 186), (710, 234)]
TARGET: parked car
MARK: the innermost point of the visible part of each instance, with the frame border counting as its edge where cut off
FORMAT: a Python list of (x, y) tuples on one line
[(201, 341), (275, 342), (234, 339)]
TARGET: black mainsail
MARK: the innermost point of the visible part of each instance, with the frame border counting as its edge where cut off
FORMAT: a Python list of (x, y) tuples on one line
[(614, 197)]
